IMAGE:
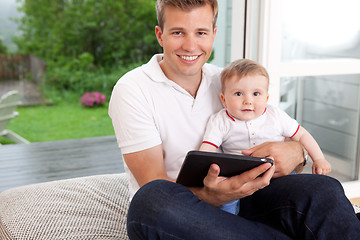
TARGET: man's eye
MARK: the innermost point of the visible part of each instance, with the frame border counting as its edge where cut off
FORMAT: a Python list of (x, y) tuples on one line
[(256, 94), (177, 33), (238, 94), (201, 33)]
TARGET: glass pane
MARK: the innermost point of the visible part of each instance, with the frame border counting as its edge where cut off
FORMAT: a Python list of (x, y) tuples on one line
[(321, 29), (328, 107), (222, 44)]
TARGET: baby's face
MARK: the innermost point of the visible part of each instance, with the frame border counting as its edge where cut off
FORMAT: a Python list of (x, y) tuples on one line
[(246, 98)]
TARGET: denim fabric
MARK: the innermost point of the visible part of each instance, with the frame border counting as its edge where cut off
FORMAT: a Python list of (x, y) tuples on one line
[(291, 207), (233, 207)]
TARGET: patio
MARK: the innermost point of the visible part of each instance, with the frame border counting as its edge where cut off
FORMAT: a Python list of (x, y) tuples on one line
[(23, 164)]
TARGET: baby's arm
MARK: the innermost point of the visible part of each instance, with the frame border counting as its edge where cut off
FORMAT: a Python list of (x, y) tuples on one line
[(320, 166), (207, 147)]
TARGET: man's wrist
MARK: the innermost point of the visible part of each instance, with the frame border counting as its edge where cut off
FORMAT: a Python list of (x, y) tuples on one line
[(306, 157), (202, 194)]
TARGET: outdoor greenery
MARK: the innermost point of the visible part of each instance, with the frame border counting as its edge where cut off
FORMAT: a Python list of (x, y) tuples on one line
[(3, 48), (67, 119), (110, 32), (85, 42), (87, 46)]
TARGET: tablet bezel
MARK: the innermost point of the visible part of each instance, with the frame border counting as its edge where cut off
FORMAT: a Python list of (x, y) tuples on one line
[(197, 163)]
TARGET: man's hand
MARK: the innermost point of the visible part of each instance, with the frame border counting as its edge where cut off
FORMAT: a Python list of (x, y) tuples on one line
[(219, 190), (287, 155)]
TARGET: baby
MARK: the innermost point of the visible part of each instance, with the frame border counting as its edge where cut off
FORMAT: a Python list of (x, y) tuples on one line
[(247, 120)]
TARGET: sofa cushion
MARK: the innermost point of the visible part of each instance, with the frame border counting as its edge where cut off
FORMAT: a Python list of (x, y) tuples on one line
[(92, 207)]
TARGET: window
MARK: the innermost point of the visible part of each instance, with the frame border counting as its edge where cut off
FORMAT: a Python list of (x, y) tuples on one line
[(313, 59)]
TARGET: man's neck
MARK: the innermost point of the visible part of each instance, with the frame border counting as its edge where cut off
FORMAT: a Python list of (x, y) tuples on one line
[(190, 83)]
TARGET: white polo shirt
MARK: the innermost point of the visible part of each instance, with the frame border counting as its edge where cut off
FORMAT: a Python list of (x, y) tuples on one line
[(148, 109), (234, 135)]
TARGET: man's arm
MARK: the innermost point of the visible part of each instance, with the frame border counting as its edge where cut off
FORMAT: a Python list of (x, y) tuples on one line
[(147, 165), (288, 155)]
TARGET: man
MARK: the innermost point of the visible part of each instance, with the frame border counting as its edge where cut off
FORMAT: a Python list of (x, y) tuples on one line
[(159, 112)]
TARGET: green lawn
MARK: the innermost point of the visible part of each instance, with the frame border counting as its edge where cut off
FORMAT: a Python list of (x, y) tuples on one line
[(66, 120)]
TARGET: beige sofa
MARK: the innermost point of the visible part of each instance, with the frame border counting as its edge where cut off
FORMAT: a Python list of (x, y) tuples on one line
[(92, 207), (84, 208)]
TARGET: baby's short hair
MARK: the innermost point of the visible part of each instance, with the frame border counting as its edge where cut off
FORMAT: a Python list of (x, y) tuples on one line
[(241, 68)]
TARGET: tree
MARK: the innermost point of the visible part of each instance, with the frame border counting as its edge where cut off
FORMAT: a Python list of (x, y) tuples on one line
[(112, 31), (3, 48)]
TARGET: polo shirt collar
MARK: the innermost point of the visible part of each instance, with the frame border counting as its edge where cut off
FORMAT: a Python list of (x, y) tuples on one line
[(153, 70), (259, 119)]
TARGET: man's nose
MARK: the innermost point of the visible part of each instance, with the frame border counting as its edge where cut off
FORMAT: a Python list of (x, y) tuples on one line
[(189, 43)]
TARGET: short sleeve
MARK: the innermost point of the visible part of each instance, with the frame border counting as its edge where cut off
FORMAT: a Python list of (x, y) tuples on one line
[(289, 125), (132, 118), (215, 130)]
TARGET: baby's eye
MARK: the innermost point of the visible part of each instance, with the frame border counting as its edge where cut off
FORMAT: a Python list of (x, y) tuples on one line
[(238, 94), (256, 94)]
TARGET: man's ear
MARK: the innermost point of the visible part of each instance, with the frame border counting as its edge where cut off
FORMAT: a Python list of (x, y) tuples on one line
[(158, 33), (222, 97), (215, 30)]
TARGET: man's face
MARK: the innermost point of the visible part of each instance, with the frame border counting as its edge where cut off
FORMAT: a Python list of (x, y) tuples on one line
[(187, 38)]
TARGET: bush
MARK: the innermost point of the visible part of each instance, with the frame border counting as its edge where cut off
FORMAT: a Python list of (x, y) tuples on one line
[(111, 31), (3, 48), (92, 99), (87, 79)]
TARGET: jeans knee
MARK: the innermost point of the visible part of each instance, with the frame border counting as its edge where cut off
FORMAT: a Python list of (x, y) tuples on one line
[(322, 190), (325, 185), (154, 207), (148, 197), (156, 200)]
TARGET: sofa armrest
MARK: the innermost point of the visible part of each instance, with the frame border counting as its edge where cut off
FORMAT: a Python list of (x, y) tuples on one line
[(92, 207)]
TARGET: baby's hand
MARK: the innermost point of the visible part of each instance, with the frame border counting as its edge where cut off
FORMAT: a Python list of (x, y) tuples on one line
[(321, 166)]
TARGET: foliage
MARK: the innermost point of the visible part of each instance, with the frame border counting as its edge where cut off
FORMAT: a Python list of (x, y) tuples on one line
[(108, 32), (88, 79), (3, 48), (65, 120), (92, 99)]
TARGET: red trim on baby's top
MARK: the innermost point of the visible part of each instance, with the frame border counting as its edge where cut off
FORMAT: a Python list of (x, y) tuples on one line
[(264, 111), (210, 144), (230, 116), (296, 131)]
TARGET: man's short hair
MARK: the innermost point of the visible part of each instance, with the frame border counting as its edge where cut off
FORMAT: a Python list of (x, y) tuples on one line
[(185, 5), (241, 68)]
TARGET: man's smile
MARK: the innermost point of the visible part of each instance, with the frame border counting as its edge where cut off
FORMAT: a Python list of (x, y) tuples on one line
[(189, 58)]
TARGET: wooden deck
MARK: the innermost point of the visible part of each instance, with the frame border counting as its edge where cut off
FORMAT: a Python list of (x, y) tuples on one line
[(23, 164)]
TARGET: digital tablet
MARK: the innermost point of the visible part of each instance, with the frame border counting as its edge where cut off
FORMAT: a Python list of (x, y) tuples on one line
[(197, 163)]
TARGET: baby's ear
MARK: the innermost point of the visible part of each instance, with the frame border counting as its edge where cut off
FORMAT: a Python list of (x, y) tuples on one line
[(267, 99), (222, 97)]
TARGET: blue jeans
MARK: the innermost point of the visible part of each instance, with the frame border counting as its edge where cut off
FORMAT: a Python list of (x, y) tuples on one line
[(292, 207), (233, 207)]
